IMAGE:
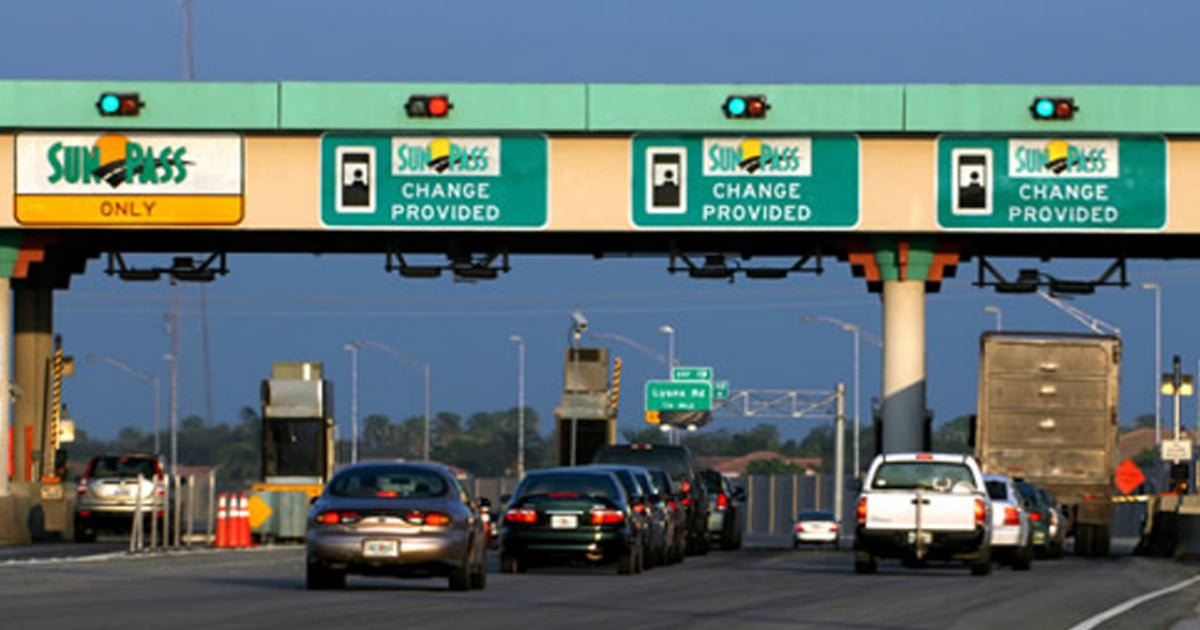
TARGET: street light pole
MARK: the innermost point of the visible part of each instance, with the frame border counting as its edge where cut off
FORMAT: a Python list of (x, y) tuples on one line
[(858, 333), (1153, 286), (669, 331), (426, 451), (520, 341), (996, 310), (419, 366), (857, 398), (353, 350)]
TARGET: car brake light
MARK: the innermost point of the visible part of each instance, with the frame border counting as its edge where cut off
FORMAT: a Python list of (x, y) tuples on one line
[(639, 507), (85, 513), (924, 457), (607, 517), (337, 518), (434, 519), (833, 527), (1035, 517), (641, 447), (387, 494), (521, 515), (672, 505), (722, 501), (980, 512), (860, 512), (1011, 516), (563, 495), (685, 486), (799, 527), (687, 501)]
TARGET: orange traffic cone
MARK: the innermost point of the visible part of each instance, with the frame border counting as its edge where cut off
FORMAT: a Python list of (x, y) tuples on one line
[(222, 539), (243, 521)]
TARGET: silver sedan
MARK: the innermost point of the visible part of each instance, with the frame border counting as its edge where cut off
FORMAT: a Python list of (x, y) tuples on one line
[(404, 519)]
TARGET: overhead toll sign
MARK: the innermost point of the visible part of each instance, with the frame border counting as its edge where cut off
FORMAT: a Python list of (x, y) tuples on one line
[(114, 179), (434, 182), (758, 182), (1052, 183)]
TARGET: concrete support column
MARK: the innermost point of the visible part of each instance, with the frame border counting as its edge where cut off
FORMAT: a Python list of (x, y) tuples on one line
[(903, 365), (33, 343)]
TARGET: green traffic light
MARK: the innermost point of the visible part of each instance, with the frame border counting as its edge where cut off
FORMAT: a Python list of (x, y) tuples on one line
[(110, 104)]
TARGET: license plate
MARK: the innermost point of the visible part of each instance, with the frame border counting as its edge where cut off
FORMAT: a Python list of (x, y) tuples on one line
[(381, 549), (926, 538), (564, 521), (1039, 538)]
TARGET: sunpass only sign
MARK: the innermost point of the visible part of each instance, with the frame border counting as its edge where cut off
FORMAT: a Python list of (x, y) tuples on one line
[(436, 182), (749, 182), (1052, 183)]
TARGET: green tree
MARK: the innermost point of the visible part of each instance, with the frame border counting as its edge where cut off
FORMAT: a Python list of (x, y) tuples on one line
[(772, 467), (951, 437)]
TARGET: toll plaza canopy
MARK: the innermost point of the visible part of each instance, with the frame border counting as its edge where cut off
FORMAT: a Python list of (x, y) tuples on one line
[(467, 167)]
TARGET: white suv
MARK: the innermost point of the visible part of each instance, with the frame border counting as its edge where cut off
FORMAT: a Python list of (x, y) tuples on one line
[(1012, 537)]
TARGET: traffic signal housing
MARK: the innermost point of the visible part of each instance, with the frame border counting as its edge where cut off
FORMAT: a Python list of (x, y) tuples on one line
[(1053, 108), (746, 106), (428, 106), (119, 104)]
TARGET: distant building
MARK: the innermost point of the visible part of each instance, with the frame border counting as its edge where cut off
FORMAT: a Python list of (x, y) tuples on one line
[(736, 466)]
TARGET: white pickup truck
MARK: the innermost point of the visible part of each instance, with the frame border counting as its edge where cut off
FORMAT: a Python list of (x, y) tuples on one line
[(923, 506)]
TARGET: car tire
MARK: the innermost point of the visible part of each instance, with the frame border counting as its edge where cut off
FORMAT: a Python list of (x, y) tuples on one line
[(982, 566), (627, 563), (321, 578), (865, 563), (1022, 559), (479, 577), (511, 564), (460, 577), (795, 544)]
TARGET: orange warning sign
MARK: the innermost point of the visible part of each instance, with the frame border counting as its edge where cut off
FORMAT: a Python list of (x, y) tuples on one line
[(1129, 476)]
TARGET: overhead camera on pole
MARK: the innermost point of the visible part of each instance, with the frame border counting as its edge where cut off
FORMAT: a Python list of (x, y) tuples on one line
[(586, 419)]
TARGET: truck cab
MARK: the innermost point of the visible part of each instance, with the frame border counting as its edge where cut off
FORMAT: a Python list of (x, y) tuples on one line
[(923, 506)]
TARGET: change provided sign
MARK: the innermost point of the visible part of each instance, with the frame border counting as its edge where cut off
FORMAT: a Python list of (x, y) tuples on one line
[(114, 178), (434, 182), (760, 182), (1052, 183)]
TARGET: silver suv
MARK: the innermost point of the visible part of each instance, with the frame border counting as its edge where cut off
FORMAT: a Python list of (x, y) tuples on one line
[(107, 494)]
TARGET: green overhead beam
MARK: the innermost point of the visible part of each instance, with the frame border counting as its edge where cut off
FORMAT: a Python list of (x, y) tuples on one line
[(1005, 109), (169, 105), (476, 107), (794, 108)]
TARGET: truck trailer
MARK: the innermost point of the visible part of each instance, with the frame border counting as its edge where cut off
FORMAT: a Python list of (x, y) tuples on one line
[(1048, 414)]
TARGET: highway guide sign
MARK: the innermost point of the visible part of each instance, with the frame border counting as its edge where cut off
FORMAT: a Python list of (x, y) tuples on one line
[(747, 182), (434, 182), (1052, 183), (679, 395)]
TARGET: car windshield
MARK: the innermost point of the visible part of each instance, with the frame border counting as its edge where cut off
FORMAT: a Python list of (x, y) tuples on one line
[(671, 460), (585, 484), (388, 482), (940, 476), (111, 466), (815, 515)]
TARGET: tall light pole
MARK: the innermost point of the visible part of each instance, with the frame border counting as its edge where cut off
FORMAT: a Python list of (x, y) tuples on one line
[(421, 367), (352, 348), (858, 333), (520, 341), (1153, 286), (999, 315), (150, 379), (669, 331)]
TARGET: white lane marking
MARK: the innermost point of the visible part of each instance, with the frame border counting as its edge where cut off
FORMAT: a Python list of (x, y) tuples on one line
[(1092, 622)]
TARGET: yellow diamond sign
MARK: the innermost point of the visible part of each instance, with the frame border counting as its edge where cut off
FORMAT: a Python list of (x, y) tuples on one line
[(260, 511)]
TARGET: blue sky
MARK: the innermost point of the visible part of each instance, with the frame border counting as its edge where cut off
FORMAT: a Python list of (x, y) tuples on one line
[(303, 307)]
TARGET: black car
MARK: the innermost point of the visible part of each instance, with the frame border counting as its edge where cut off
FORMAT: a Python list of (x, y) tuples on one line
[(724, 512), (672, 498), (678, 462), (570, 515), (649, 509)]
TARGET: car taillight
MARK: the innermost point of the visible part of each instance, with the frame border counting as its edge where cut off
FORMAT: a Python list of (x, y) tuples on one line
[(85, 513), (434, 519), (1011, 515), (924, 457), (607, 517), (833, 527), (563, 495), (521, 515), (860, 511), (639, 507), (671, 504), (687, 501), (685, 486), (799, 527), (1035, 517), (722, 501), (980, 513), (337, 518), (81, 489)]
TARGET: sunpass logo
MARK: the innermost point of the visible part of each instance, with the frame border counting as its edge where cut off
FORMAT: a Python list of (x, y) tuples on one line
[(1058, 158), (758, 157), (445, 156), (114, 159)]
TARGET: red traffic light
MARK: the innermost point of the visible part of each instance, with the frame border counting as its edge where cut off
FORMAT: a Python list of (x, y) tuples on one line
[(428, 106), (745, 106), (119, 104), (1053, 108)]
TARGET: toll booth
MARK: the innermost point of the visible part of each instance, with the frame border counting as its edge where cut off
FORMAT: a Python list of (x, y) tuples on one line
[(586, 419), (297, 448)]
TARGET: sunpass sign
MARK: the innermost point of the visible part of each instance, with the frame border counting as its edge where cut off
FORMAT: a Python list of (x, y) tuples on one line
[(1052, 183), (434, 182), (749, 182)]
